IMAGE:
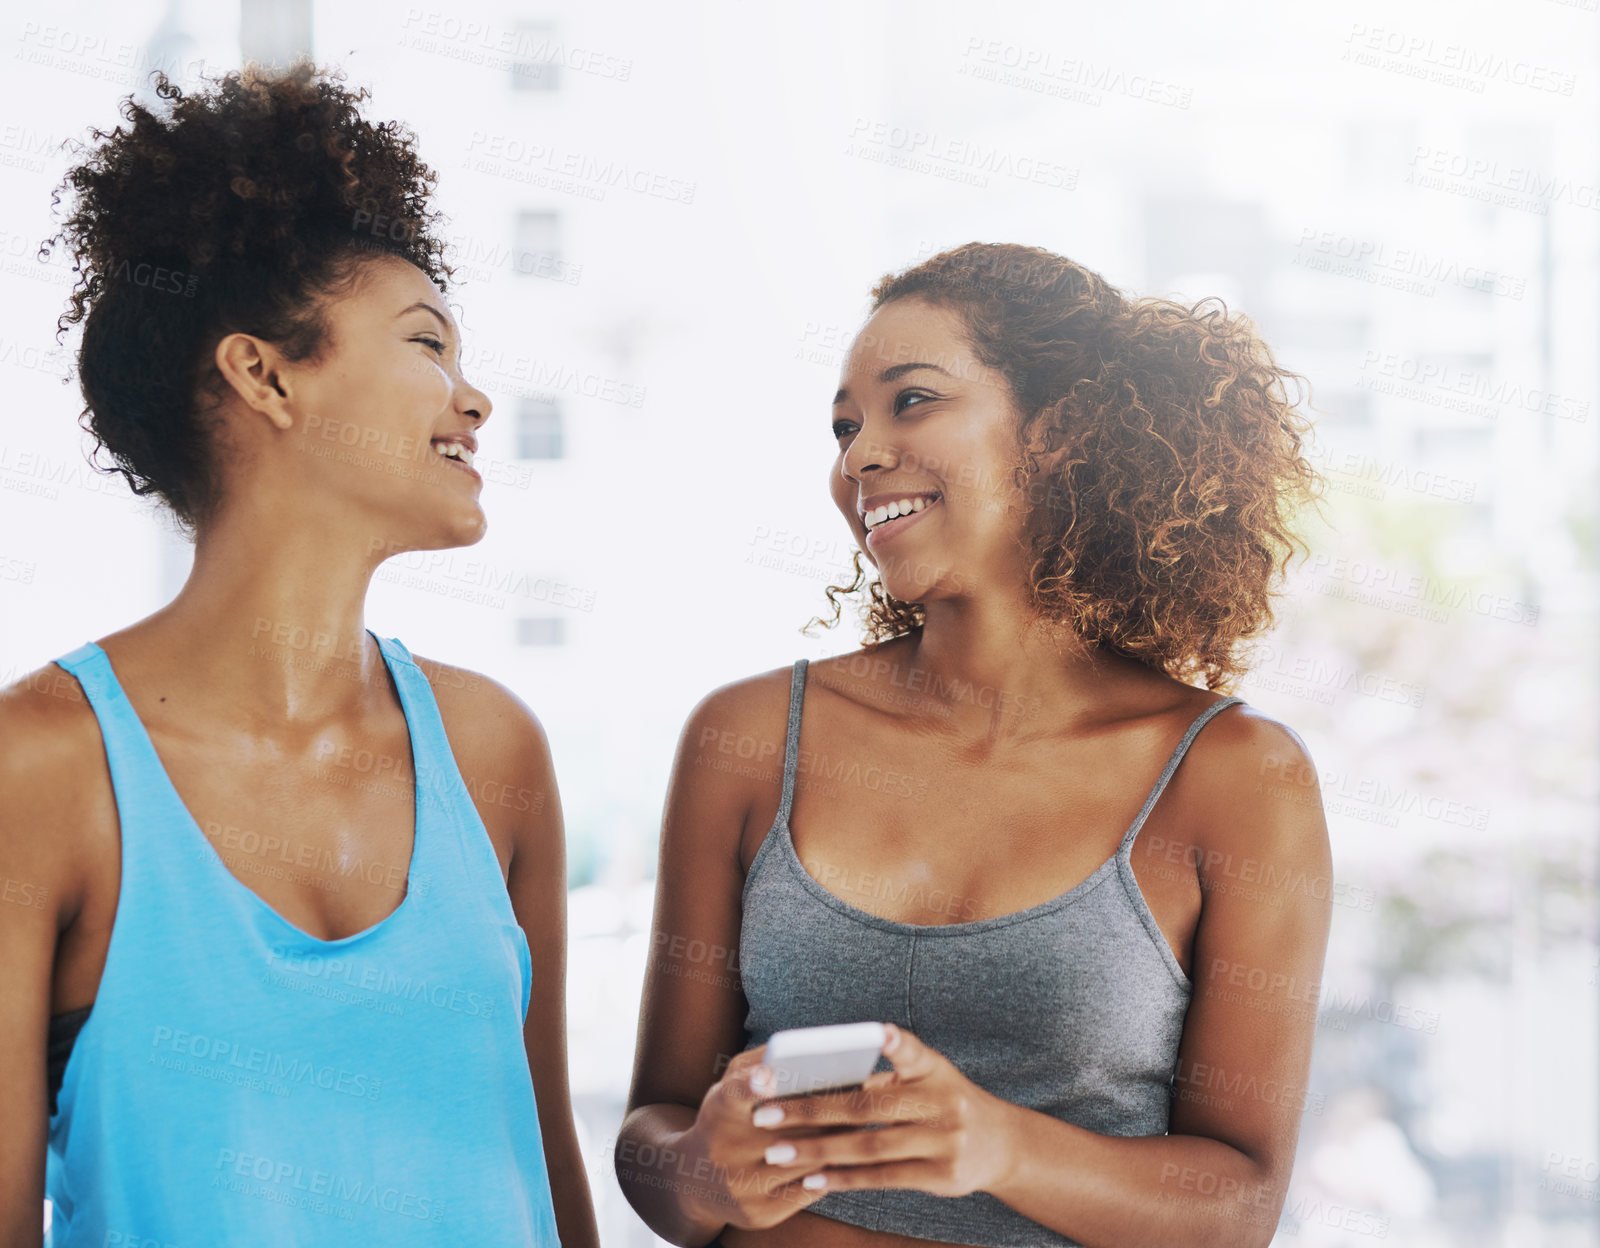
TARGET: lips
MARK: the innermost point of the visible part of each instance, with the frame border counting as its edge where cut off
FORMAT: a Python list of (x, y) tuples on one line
[(877, 508), (463, 466), (889, 530)]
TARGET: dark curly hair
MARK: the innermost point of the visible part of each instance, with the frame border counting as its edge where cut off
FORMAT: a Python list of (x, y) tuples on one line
[(236, 212), (1159, 449)]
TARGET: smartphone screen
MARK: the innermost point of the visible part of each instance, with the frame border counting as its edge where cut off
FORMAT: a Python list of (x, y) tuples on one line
[(807, 1060)]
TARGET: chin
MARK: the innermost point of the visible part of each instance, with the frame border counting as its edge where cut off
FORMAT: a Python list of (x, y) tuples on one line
[(471, 533), (448, 535), (908, 587)]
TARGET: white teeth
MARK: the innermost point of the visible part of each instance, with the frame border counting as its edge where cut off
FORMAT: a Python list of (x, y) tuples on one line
[(454, 450), (893, 511)]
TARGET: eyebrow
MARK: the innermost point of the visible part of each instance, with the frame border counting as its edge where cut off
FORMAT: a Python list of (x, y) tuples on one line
[(425, 306), (890, 374)]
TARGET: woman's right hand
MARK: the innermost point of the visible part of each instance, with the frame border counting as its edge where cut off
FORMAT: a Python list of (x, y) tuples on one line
[(723, 1163)]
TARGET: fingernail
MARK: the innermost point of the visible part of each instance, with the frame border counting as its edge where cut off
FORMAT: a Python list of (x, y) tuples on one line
[(767, 1116), (780, 1154), (815, 1182), (894, 1039), (761, 1079)]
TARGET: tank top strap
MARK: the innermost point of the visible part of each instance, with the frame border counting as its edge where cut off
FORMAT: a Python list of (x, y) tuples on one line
[(434, 762), (1200, 721), (791, 744), (145, 798), (438, 778)]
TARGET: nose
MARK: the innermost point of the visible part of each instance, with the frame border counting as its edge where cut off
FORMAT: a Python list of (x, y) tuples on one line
[(473, 402), (866, 454)]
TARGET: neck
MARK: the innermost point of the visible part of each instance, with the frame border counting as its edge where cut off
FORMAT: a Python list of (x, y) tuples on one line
[(1000, 676), (271, 622)]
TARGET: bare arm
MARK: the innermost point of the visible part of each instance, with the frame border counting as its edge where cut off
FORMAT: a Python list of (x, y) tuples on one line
[(508, 745), (538, 888), (1221, 1175), (39, 894), (681, 1153)]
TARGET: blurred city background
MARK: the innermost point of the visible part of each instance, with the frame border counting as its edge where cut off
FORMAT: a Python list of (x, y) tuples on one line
[(667, 219)]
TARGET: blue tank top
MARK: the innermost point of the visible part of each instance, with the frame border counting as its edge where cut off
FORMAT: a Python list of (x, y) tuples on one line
[(239, 1081)]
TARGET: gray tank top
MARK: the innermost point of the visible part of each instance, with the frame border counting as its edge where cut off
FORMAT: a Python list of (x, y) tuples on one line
[(1073, 1007)]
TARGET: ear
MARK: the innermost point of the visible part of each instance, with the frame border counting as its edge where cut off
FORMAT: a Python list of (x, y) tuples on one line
[(254, 368)]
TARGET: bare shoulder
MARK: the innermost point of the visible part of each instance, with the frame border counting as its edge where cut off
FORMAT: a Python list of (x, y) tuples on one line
[(54, 785), (1242, 742), (743, 717), (1253, 786), (485, 720), (503, 755), (48, 731), (727, 777)]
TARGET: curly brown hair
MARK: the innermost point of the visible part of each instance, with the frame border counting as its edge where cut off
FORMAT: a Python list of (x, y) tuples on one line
[(1159, 450), (238, 211)]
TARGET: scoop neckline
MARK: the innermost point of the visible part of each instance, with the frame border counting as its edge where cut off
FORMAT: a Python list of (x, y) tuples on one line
[(969, 927), (214, 859)]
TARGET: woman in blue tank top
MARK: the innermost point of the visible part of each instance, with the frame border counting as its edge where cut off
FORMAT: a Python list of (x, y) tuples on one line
[(289, 968), (1099, 968)]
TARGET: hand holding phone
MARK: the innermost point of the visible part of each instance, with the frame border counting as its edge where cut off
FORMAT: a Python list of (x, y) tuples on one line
[(807, 1060)]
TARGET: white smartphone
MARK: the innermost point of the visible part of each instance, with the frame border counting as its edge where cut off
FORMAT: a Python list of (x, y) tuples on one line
[(807, 1060)]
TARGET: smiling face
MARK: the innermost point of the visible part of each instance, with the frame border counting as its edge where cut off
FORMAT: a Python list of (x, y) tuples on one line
[(927, 447), (378, 433)]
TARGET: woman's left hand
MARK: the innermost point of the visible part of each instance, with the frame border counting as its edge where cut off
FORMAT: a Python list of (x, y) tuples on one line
[(925, 1126)]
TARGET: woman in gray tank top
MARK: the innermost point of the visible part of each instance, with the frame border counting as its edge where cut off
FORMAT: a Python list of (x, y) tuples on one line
[(1100, 967)]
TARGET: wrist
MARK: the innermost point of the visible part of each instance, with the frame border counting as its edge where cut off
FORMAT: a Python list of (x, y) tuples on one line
[(687, 1171), (1006, 1131)]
